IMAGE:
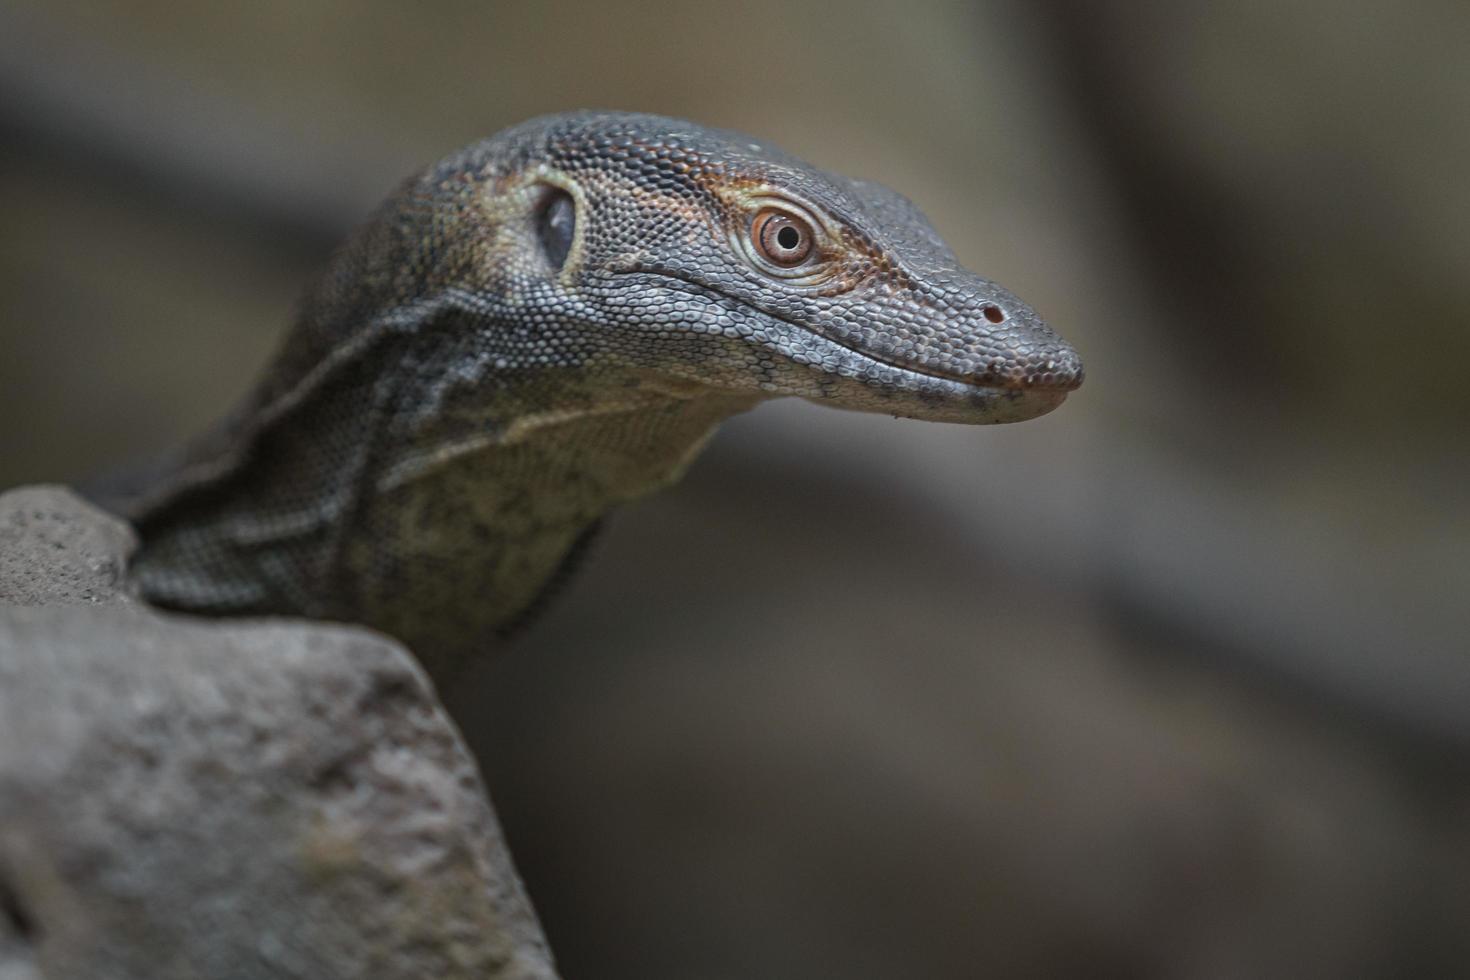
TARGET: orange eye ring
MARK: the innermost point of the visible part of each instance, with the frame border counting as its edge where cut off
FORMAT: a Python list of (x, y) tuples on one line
[(782, 238)]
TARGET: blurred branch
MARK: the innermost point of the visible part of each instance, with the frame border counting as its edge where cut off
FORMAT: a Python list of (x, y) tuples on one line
[(123, 125), (1197, 565)]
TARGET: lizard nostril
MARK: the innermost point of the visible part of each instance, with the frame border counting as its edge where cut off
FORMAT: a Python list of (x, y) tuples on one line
[(993, 313)]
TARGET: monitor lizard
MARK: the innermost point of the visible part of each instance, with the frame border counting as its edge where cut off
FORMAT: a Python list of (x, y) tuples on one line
[(546, 324)]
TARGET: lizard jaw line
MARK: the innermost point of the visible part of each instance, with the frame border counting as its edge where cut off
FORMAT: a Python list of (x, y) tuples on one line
[(969, 387)]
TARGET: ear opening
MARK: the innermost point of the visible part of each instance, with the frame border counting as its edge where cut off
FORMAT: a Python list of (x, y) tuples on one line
[(556, 224)]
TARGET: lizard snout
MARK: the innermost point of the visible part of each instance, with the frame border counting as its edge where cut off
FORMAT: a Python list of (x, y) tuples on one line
[(1054, 367), (985, 336)]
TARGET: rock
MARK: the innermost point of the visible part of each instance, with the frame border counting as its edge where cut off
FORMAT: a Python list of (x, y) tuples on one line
[(55, 548), (190, 798)]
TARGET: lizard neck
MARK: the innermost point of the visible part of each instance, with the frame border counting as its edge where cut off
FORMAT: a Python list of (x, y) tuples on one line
[(440, 515), (469, 538)]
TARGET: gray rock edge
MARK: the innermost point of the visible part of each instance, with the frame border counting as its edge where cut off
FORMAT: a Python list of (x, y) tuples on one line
[(191, 798)]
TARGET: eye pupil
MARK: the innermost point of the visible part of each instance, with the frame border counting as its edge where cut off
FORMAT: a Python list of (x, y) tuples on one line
[(788, 237)]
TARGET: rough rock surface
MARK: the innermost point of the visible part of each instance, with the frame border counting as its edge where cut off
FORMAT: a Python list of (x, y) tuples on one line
[(181, 798)]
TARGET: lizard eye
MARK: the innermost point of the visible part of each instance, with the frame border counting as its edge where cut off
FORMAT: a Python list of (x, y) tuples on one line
[(556, 224), (781, 238)]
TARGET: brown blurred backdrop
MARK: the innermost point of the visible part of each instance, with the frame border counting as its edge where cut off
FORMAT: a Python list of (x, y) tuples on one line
[(1172, 683)]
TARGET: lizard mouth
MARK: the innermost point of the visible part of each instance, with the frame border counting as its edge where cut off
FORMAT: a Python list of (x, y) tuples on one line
[(1045, 396)]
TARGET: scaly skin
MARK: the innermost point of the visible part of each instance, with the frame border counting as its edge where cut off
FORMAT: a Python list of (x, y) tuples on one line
[(459, 404)]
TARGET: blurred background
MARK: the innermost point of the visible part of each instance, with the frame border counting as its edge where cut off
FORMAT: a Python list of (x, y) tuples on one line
[(1174, 682)]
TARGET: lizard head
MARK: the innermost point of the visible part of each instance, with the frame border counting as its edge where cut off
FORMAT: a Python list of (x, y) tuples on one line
[(542, 326), (713, 259)]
